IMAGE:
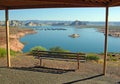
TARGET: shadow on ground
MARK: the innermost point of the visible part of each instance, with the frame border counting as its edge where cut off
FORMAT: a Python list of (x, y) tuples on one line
[(84, 79), (118, 82), (44, 69)]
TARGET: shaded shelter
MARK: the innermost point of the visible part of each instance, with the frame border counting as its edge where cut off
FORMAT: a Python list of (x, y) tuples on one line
[(28, 4)]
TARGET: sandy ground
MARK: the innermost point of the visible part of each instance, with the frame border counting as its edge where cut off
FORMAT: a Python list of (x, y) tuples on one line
[(26, 70)]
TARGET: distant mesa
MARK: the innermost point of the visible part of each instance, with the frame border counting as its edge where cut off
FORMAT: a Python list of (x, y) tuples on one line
[(74, 23), (74, 35), (77, 23), (32, 24), (15, 23)]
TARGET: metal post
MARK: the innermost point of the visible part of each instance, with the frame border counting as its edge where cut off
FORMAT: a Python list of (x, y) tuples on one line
[(106, 41), (7, 38)]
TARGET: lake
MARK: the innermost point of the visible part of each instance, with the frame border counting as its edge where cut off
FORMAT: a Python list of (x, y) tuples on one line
[(90, 39)]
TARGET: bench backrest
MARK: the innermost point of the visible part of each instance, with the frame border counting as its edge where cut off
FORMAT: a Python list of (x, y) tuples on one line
[(61, 55)]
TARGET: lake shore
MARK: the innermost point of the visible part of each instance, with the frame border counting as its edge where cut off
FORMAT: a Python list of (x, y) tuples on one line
[(112, 32), (15, 35)]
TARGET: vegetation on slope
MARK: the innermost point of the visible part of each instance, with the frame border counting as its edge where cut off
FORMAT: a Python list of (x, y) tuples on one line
[(3, 52)]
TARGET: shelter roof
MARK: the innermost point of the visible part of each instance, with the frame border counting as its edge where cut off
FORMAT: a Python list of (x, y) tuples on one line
[(26, 4)]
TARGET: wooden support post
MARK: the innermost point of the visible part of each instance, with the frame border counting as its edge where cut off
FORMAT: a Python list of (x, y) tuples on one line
[(106, 42), (78, 63), (7, 38)]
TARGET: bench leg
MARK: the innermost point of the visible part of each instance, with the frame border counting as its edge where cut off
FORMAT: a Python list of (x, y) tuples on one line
[(40, 62), (78, 64)]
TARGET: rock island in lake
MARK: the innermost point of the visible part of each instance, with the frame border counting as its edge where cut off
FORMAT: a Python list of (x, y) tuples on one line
[(74, 35)]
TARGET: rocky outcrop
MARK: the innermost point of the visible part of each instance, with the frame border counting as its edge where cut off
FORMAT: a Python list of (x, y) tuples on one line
[(77, 23), (15, 44), (16, 23), (74, 35), (112, 32), (32, 24)]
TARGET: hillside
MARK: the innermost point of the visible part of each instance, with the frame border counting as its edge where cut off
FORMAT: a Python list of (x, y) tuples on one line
[(15, 34)]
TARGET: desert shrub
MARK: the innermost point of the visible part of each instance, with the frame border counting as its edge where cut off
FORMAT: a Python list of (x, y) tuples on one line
[(111, 57), (3, 52), (12, 53), (93, 57), (37, 48), (58, 49)]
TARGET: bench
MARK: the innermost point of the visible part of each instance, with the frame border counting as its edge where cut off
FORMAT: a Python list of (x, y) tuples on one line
[(67, 56)]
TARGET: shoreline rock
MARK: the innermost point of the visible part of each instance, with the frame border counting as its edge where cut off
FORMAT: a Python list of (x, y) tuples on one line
[(113, 33), (15, 44)]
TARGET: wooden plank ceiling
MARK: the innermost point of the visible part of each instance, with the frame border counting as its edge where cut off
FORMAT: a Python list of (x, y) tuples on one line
[(25, 4)]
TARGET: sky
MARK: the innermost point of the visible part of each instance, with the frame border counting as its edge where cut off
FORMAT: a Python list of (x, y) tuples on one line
[(63, 14)]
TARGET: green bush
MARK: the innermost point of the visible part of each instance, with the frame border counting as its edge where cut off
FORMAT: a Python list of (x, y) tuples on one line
[(13, 53), (58, 49), (94, 57), (111, 57), (3, 52), (37, 48)]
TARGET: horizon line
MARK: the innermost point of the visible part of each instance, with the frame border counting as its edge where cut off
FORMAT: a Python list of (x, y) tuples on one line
[(59, 20)]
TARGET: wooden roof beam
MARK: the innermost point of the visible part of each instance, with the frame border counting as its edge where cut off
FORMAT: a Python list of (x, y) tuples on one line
[(46, 1), (105, 2), (99, 1), (25, 4), (46, 4), (50, 6), (114, 3)]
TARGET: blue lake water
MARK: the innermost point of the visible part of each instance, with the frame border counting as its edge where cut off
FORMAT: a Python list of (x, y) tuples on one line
[(90, 39)]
